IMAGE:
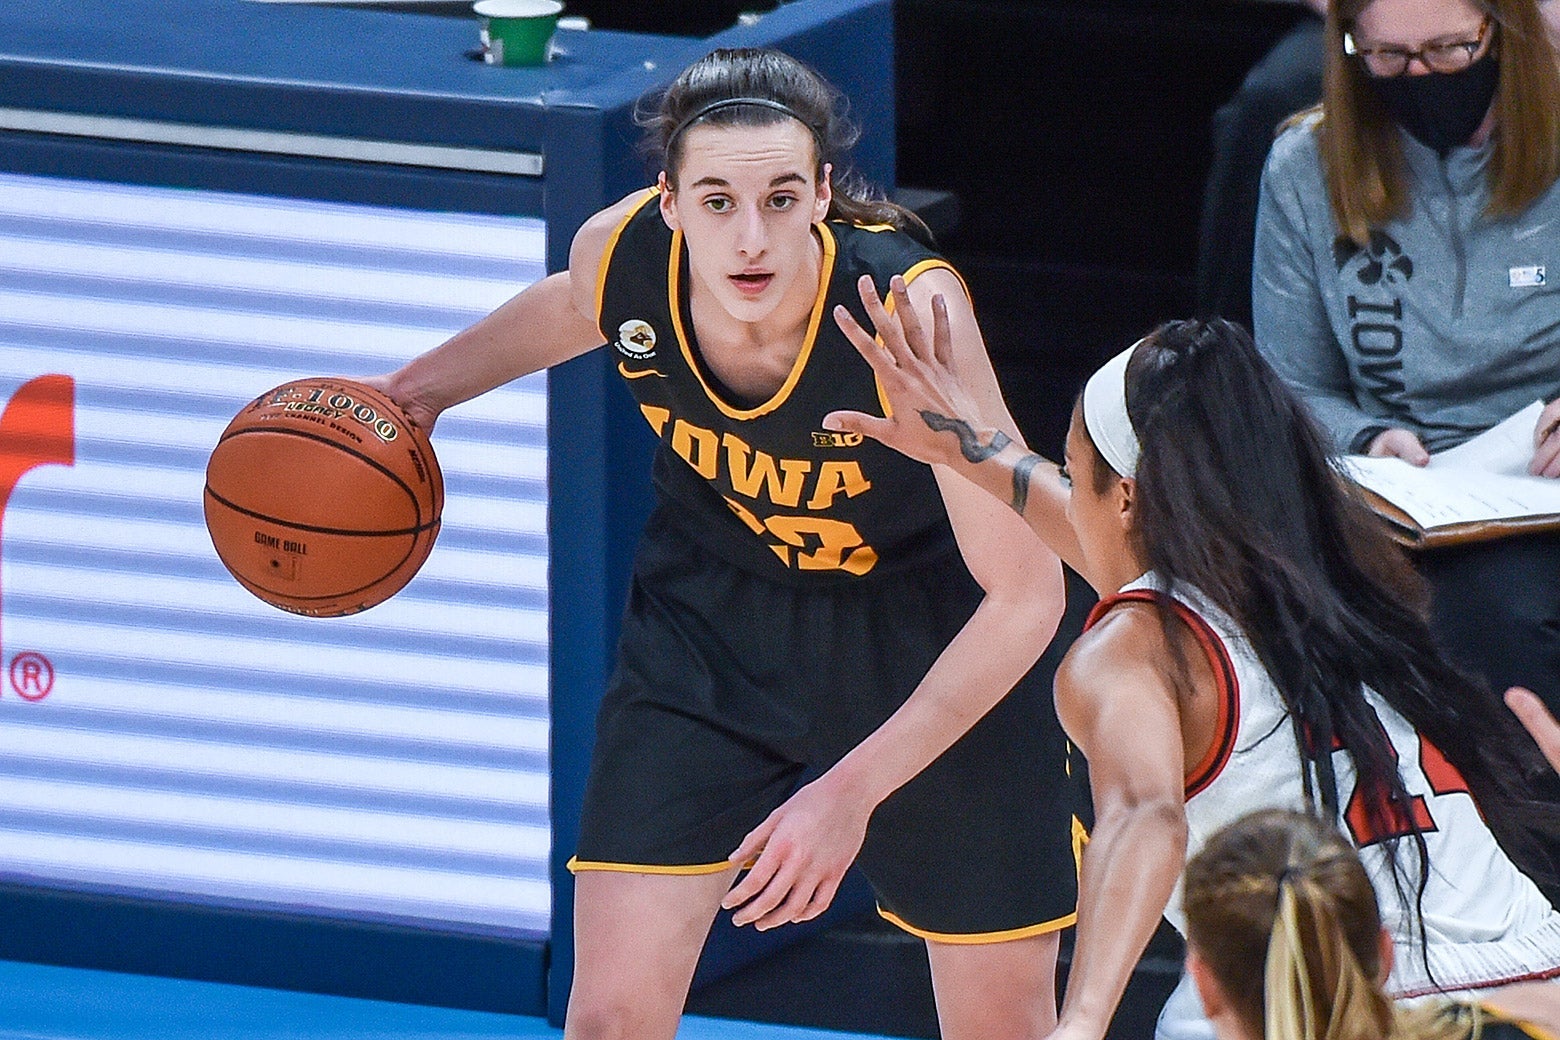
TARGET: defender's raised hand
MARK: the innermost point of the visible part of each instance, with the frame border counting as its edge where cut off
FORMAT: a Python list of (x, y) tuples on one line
[(933, 418)]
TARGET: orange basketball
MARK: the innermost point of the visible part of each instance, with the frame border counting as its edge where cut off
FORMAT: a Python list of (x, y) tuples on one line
[(322, 498)]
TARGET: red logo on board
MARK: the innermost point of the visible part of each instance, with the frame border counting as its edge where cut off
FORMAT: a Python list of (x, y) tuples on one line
[(37, 428)]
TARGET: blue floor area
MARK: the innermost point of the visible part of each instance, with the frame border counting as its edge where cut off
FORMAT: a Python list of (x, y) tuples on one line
[(39, 1002)]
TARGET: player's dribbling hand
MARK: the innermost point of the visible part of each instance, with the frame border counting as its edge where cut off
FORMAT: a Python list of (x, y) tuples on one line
[(422, 417), (799, 854), (916, 372)]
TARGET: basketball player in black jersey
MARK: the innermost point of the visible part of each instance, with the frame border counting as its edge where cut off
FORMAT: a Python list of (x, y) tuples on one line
[(822, 636)]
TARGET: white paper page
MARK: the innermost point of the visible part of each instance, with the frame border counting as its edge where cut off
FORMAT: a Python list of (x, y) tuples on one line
[(1503, 448), (1484, 478), (1454, 495)]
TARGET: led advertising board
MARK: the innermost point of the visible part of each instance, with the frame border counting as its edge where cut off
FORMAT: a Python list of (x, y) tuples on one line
[(163, 733)]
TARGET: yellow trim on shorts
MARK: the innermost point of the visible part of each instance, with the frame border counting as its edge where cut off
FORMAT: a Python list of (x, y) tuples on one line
[(977, 938), (576, 865)]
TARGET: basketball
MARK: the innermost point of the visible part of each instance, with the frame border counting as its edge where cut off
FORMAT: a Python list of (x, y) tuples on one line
[(322, 498)]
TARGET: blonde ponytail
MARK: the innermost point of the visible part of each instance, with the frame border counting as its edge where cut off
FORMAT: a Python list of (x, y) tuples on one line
[(1314, 987), (1287, 890)]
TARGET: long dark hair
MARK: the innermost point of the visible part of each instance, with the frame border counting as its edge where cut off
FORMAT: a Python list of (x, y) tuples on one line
[(1238, 496), (799, 92)]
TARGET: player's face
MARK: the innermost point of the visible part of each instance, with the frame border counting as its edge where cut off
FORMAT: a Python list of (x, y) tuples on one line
[(746, 199), (1095, 516)]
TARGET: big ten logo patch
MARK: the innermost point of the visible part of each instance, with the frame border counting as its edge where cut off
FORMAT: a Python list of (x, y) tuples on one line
[(37, 428)]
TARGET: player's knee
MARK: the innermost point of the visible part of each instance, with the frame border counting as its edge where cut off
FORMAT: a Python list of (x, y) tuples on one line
[(599, 1021)]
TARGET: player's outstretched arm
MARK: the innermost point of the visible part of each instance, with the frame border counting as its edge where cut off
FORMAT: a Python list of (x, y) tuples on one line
[(1119, 709), (545, 324), (935, 418)]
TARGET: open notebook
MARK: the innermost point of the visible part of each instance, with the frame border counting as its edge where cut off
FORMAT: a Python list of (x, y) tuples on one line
[(1478, 490)]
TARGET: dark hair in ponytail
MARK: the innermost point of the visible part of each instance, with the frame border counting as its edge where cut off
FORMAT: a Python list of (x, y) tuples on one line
[(780, 87), (1238, 497)]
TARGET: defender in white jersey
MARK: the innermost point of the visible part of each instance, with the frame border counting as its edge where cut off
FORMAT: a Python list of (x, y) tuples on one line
[(1291, 665), (1485, 922)]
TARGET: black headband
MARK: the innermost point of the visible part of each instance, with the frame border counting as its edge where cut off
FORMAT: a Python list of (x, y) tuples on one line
[(716, 106)]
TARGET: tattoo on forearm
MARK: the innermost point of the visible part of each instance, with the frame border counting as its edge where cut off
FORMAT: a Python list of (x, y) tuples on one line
[(1021, 470), (969, 445)]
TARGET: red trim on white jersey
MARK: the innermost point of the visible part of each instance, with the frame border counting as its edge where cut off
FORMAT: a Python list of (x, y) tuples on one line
[(1227, 722)]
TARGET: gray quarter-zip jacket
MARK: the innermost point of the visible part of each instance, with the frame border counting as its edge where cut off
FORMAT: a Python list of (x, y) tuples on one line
[(1445, 324)]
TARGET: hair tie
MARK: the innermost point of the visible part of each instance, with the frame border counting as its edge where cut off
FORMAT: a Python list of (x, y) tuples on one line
[(1105, 414), (716, 106)]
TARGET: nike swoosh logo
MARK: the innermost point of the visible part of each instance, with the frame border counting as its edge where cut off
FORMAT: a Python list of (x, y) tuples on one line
[(1529, 232), (626, 374)]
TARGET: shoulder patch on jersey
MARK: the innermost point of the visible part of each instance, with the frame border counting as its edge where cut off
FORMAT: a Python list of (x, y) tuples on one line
[(636, 339)]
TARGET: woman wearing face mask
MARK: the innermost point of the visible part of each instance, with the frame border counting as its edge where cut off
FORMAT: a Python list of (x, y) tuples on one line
[(1407, 278)]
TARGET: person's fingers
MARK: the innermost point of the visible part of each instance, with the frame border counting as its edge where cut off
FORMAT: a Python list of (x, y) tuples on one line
[(942, 332), (866, 345), (750, 855), (909, 320), (884, 323), (821, 898), (812, 909), (1537, 720), (1525, 703), (1400, 444), (1546, 458), (794, 909), (859, 422), (1548, 422), (747, 895), (1407, 447), (763, 899), (867, 290)]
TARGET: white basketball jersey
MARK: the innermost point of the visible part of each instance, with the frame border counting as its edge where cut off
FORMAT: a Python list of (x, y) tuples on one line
[(1485, 922)]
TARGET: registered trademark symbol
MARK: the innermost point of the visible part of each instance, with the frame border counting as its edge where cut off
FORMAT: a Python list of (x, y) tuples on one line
[(32, 676)]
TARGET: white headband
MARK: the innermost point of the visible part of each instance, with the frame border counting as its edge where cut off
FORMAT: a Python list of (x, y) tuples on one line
[(1105, 414)]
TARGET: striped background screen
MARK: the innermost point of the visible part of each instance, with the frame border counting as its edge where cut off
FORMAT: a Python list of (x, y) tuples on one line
[(164, 733)]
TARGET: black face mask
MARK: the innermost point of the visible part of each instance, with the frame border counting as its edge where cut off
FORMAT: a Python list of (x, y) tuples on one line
[(1441, 109)]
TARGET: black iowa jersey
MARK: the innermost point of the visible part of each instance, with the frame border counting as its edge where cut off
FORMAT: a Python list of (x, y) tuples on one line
[(765, 486)]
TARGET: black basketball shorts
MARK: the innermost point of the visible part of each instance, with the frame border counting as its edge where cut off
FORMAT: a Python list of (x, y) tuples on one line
[(731, 690)]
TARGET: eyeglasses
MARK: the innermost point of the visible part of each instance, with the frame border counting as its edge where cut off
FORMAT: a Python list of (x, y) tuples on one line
[(1437, 56)]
